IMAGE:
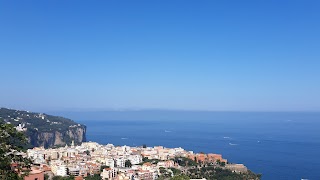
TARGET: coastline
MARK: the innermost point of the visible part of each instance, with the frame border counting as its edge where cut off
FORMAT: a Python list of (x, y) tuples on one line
[(262, 145)]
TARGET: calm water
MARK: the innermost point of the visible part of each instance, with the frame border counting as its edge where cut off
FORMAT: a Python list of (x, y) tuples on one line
[(278, 145)]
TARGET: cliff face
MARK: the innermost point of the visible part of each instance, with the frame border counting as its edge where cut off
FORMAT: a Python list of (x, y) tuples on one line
[(57, 138), (44, 130)]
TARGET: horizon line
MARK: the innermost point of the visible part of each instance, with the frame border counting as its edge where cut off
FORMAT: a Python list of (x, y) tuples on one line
[(148, 109)]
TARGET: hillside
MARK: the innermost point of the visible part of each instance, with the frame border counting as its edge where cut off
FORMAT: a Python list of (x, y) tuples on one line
[(44, 130)]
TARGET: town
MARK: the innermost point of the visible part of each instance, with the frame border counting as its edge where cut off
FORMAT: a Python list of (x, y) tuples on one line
[(111, 162)]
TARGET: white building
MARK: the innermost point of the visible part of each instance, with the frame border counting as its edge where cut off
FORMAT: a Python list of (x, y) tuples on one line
[(74, 171), (135, 159), (120, 162), (110, 162), (61, 170), (90, 145), (108, 173), (21, 127)]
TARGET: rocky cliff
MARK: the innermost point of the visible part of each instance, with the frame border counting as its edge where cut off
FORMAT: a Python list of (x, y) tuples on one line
[(44, 130), (57, 137)]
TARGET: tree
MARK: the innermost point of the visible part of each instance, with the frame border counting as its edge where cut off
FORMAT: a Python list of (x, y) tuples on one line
[(223, 164), (145, 159), (94, 177), (175, 171), (180, 177), (46, 177), (102, 167), (12, 144), (63, 178), (162, 170), (127, 163), (183, 161)]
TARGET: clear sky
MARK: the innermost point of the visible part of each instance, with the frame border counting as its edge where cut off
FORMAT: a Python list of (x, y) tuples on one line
[(259, 55)]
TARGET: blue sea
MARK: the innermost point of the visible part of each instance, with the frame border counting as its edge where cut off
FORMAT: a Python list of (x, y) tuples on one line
[(278, 145)]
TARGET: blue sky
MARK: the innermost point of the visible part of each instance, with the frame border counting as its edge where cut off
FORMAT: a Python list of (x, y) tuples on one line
[(190, 55)]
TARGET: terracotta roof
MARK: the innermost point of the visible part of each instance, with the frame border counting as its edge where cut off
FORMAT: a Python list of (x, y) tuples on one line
[(35, 171), (147, 164), (78, 178)]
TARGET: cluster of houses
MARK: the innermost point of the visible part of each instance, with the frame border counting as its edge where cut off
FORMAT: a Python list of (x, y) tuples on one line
[(111, 162)]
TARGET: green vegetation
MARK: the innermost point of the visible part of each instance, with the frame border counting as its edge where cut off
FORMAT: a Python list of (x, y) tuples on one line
[(213, 172), (127, 163), (180, 177), (164, 173), (194, 170), (183, 161), (94, 177), (11, 144), (63, 178), (152, 161), (175, 171), (42, 122), (36, 124), (221, 163)]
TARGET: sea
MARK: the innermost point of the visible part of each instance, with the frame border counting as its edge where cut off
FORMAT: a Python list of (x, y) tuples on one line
[(279, 145)]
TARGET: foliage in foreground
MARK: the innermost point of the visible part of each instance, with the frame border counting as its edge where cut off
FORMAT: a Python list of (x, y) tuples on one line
[(11, 144)]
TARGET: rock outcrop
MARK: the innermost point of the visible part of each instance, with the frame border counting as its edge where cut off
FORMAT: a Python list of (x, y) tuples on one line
[(57, 138), (44, 130)]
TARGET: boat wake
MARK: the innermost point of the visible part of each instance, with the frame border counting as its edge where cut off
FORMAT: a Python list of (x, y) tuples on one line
[(231, 144)]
